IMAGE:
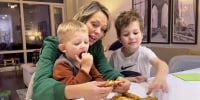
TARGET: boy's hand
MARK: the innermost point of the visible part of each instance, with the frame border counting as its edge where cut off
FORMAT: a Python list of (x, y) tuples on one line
[(86, 62), (156, 85)]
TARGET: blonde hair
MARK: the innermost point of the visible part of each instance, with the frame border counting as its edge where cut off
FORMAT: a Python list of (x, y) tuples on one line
[(91, 8), (68, 28)]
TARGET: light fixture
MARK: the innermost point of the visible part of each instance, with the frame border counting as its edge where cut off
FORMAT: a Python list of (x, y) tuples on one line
[(12, 5)]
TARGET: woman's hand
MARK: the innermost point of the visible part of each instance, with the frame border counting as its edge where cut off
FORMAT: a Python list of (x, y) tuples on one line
[(90, 91), (123, 86)]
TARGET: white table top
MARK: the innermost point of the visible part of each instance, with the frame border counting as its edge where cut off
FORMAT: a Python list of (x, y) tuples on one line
[(178, 89)]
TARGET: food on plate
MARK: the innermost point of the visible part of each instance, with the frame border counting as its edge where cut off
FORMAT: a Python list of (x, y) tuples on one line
[(110, 83), (121, 98), (130, 96)]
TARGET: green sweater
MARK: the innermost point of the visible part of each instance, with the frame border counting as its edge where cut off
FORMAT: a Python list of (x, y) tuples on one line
[(46, 88)]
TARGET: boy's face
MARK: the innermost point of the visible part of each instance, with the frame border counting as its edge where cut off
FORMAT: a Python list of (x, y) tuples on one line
[(77, 44), (131, 36)]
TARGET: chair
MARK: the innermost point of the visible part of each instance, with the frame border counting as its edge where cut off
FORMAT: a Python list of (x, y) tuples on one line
[(183, 62)]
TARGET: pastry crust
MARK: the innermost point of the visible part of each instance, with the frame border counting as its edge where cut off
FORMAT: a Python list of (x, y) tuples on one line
[(130, 96), (110, 83)]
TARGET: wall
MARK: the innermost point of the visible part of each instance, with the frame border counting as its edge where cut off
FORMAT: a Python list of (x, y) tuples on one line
[(116, 7)]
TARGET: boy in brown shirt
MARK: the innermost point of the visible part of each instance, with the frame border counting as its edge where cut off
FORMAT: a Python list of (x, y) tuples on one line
[(75, 66)]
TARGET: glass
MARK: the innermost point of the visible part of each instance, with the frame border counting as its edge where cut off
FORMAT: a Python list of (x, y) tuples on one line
[(10, 27), (37, 25), (52, 1), (10, 59), (57, 17), (185, 22)]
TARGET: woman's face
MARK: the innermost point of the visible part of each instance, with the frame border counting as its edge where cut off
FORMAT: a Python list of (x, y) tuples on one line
[(97, 24)]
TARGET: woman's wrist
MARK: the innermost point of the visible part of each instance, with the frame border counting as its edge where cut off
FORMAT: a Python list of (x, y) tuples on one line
[(72, 91)]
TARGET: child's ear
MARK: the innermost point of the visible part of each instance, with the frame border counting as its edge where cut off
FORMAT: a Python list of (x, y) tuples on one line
[(62, 47)]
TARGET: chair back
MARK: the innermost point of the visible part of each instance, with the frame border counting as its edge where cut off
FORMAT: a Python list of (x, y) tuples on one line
[(183, 62)]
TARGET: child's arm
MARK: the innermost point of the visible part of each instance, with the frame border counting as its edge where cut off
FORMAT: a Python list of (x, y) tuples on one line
[(160, 81), (62, 72), (96, 76)]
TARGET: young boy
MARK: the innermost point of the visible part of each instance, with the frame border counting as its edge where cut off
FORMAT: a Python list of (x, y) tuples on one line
[(134, 57), (75, 66)]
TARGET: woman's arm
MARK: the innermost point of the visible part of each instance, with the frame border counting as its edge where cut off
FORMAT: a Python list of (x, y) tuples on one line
[(44, 86), (89, 91), (101, 62)]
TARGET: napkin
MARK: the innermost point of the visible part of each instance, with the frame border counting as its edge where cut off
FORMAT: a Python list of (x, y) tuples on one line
[(188, 76)]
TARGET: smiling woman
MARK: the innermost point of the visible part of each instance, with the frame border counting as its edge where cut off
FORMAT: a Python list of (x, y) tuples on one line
[(97, 19)]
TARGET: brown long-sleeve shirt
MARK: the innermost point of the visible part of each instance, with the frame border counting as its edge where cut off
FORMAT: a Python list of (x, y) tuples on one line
[(64, 73)]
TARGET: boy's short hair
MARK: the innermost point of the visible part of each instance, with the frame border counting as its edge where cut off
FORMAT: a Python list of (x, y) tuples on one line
[(125, 18), (68, 28)]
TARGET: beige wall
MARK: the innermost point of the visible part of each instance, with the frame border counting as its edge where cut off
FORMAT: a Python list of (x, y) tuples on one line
[(116, 7)]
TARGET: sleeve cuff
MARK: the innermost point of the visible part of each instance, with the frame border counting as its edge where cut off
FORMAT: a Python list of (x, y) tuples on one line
[(60, 92)]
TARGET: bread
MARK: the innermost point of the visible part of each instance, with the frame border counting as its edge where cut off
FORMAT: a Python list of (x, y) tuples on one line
[(110, 83), (130, 96)]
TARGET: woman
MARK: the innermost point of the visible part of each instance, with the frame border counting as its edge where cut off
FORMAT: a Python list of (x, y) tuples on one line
[(97, 19)]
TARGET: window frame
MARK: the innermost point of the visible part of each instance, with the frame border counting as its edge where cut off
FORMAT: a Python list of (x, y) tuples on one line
[(52, 22)]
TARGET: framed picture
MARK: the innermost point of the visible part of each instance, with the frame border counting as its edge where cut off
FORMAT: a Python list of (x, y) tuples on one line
[(160, 21), (185, 14), (141, 6)]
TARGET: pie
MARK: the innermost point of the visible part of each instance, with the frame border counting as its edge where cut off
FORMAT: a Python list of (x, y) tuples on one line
[(110, 83), (130, 96)]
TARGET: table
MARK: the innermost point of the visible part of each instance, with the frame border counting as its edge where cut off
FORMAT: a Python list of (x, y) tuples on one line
[(178, 89)]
